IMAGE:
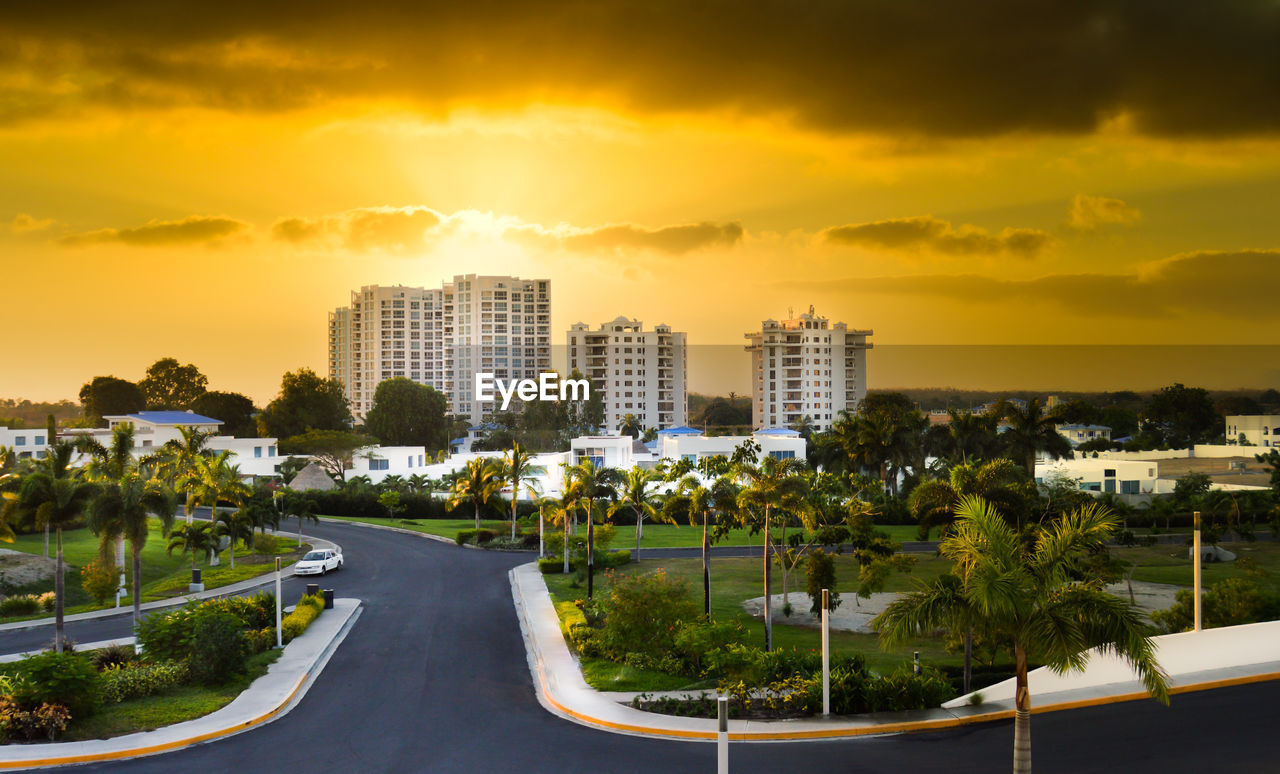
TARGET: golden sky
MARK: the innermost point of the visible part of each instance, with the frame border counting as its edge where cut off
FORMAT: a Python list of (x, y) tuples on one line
[(208, 182)]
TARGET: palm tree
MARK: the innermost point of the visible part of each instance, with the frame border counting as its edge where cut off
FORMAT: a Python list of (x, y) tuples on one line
[(693, 501), (972, 436), (122, 511), (631, 425), (591, 484), (563, 511), (57, 464), (1030, 432), (774, 484), (216, 480), (236, 527), (56, 503), (1000, 482), (477, 485), (634, 495), (178, 460), (418, 483), (113, 461), (1024, 594), (302, 506), (194, 538), (517, 467)]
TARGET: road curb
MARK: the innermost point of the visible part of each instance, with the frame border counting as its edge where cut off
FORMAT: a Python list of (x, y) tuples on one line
[(146, 743), (546, 651)]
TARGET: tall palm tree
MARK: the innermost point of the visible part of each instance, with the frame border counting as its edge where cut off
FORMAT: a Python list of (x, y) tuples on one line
[(195, 538), (631, 425), (300, 505), (635, 495), (236, 527), (178, 460), (972, 436), (216, 480), (518, 467), (57, 503), (563, 511), (693, 501), (1025, 594), (1000, 482), (111, 462), (57, 464), (121, 511), (1030, 432), (771, 485), (592, 485), (478, 485)]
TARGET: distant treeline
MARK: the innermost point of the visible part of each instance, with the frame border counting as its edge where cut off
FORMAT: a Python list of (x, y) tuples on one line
[(25, 413)]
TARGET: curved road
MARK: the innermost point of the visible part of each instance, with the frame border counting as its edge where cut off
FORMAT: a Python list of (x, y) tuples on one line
[(433, 678)]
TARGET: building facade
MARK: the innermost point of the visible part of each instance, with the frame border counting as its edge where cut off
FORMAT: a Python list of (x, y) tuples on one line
[(806, 366), (1254, 430), (639, 372), (441, 337)]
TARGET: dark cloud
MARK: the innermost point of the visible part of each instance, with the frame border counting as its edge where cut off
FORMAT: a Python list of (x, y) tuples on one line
[(1239, 285), (902, 66), (1090, 212), (385, 228), (927, 233), (158, 233), (675, 240)]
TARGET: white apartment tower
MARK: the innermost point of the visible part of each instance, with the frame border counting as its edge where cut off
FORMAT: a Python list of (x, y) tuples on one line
[(442, 337), (806, 366), (639, 372)]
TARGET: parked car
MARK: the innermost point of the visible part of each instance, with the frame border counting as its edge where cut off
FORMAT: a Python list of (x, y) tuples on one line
[(318, 562)]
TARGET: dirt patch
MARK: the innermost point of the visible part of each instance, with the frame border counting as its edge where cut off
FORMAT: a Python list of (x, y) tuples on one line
[(20, 569)]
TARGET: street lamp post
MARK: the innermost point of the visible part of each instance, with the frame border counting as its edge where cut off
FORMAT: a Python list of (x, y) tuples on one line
[(1195, 549), (279, 631)]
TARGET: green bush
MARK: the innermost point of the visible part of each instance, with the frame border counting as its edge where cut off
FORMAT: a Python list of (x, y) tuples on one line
[(112, 656), (218, 647), (167, 636), (266, 544), (611, 559), (551, 566), (261, 639), (1229, 602), (131, 681), (642, 613), (820, 573), (904, 690), (22, 604), (307, 610), (47, 720), (58, 678)]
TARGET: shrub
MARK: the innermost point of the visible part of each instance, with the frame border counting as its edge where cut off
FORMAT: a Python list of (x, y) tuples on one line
[(48, 601), (550, 566), (695, 639), (261, 639), (58, 678), (218, 647), (820, 573), (904, 690), (22, 604), (1229, 602), (266, 544), (99, 580), (308, 609), (167, 636), (611, 559), (112, 656), (46, 720), (643, 612), (131, 681)]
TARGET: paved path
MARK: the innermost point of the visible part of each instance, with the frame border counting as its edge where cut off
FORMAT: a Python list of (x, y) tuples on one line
[(433, 678)]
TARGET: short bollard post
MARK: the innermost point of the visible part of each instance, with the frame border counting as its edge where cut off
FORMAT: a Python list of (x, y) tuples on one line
[(722, 738), (328, 599), (279, 631), (826, 653), (313, 589), (915, 663)]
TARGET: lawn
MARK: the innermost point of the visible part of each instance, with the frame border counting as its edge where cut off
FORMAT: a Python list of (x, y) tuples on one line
[(1171, 564), (163, 575), (184, 703), (733, 581)]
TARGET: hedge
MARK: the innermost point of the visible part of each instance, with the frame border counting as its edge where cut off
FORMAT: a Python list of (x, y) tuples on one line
[(605, 560), (364, 504), (309, 608), (132, 681)]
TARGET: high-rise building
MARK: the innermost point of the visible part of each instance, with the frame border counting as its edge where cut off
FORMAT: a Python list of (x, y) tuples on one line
[(639, 372), (442, 337), (806, 367)]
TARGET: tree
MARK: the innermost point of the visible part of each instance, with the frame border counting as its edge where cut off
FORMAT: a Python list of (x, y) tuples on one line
[(406, 413), (122, 511), (693, 501), (237, 527), (113, 461), (332, 450), (635, 495), (585, 416), (971, 436), (630, 425), (301, 505), (772, 485), (391, 501), (590, 485), (478, 484), (1027, 595), (1000, 482), (105, 396), (57, 504), (179, 461), (1183, 416), (821, 574), (171, 386), (306, 402), (518, 468), (217, 480), (193, 538), (1030, 432), (235, 410), (98, 579)]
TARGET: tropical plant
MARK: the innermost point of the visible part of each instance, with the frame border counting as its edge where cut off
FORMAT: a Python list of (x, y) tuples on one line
[(179, 460), (236, 527), (1030, 432), (695, 502), (631, 425), (57, 504), (122, 511), (1000, 482), (772, 485), (195, 538), (1030, 595), (217, 480), (635, 495), (518, 468), (588, 485), (301, 505)]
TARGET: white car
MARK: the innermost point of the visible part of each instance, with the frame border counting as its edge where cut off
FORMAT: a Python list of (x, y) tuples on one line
[(318, 562)]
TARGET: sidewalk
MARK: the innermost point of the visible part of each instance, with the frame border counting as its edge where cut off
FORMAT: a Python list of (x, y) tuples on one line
[(562, 690), (269, 697), (126, 608)]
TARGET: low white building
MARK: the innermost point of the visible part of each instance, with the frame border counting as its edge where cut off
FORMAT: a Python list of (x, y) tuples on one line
[(1078, 434), (27, 443), (1122, 477), (612, 451), (1254, 430), (379, 462), (687, 443)]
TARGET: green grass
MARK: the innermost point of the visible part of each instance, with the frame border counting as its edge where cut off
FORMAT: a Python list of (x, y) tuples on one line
[(1171, 564), (181, 704), (163, 575), (732, 582)]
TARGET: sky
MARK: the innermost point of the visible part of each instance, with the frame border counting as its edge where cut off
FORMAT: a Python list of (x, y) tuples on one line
[(208, 181)]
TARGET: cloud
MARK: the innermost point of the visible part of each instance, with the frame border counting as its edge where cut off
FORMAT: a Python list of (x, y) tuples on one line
[(1089, 212), (927, 233), (941, 70), (1237, 285), (370, 228), (672, 240), (23, 223), (193, 229)]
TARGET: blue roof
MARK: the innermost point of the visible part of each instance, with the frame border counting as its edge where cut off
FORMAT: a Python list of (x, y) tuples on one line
[(651, 445), (783, 431), (174, 418), (681, 430)]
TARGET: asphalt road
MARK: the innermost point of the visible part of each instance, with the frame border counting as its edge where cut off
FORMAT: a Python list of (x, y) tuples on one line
[(433, 678)]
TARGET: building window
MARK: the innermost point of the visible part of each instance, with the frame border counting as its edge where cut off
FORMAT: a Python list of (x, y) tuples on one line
[(379, 464), (19, 440), (257, 451), (39, 441)]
